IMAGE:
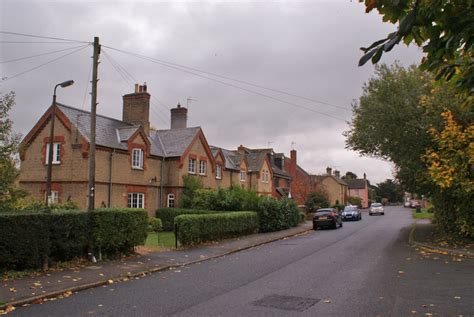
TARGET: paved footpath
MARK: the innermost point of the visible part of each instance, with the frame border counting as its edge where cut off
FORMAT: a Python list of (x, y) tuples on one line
[(62, 283)]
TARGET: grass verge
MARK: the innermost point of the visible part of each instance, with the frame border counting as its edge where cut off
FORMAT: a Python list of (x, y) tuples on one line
[(422, 215), (163, 239)]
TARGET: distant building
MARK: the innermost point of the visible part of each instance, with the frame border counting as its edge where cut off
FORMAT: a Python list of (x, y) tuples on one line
[(335, 187), (359, 188)]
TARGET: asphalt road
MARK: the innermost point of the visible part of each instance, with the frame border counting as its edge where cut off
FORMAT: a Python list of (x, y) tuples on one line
[(365, 268)]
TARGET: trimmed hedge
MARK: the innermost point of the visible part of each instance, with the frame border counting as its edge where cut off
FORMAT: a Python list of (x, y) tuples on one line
[(29, 239), (198, 228), (275, 215), (167, 215)]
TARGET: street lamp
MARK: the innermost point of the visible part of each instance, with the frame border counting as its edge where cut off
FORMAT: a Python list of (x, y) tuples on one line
[(51, 142)]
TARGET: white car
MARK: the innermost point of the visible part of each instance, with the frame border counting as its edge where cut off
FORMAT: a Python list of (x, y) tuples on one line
[(376, 208)]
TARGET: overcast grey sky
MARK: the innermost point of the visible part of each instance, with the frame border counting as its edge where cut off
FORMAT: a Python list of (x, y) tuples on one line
[(306, 48)]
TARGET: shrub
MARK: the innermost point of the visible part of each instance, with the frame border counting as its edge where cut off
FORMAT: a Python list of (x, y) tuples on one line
[(355, 201), (118, 231), (191, 185), (155, 225), (29, 239), (198, 228), (167, 215), (315, 201), (24, 240)]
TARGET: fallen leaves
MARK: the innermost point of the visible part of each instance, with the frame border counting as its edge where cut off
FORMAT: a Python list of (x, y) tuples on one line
[(13, 290), (457, 297), (7, 310), (327, 301)]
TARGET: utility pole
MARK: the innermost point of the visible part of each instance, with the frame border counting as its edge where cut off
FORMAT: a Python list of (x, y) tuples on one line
[(95, 66)]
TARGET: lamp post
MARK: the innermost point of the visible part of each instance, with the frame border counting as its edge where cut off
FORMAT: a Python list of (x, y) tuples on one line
[(51, 142)]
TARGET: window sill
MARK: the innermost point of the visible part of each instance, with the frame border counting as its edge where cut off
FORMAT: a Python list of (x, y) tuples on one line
[(219, 178), (191, 173), (137, 168)]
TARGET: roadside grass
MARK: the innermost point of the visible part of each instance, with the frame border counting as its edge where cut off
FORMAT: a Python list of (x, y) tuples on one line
[(422, 215), (164, 239)]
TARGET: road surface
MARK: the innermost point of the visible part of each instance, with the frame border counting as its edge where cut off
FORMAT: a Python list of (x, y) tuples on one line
[(365, 268)]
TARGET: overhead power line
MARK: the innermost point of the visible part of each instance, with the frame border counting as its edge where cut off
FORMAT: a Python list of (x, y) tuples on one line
[(42, 37), (38, 55), (48, 62), (35, 42), (150, 59), (240, 81), (125, 75)]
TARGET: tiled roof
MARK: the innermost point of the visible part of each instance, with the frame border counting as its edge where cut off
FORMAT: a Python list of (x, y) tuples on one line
[(174, 141), (356, 183), (113, 133), (319, 178), (255, 161)]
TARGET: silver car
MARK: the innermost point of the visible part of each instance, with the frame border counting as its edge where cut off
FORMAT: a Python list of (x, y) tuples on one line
[(351, 213), (376, 208)]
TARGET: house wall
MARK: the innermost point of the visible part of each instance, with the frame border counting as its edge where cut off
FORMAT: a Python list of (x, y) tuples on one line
[(263, 188), (70, 177), (363, 194), (335, 190)]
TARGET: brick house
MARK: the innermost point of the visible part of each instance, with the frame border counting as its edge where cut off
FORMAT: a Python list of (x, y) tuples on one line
[(135, 167), (249, 170), (333, 185), (359, 188)]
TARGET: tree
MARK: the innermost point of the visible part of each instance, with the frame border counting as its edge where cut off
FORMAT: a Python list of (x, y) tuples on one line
[(450, 164), (355, 201), (349, 175), (389, 124), (443, 28), (316, 200), (390, 190), (9, 143)]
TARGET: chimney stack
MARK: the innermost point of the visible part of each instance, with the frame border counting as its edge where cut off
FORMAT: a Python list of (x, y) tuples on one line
[(365, 176), (328, 170), (337, 173), (179, 117), (136, 107)]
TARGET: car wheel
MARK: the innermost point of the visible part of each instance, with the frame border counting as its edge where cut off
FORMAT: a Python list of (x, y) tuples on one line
[(383, 213), (340, 226), (360, 217), (370, 214), (315, 227)]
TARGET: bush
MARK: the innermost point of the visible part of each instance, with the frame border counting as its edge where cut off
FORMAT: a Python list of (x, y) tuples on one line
[(355, 201), (118, 231), (30, 239), (167, 215), (198, 228), (277, 215), (155, 225), (315, 201)]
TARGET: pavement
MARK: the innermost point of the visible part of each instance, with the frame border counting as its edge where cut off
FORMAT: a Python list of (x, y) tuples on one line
[(62, 283), (425, 235)]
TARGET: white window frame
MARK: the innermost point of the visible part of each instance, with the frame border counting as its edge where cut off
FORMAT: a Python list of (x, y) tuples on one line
[(218, 171), (56, 153), (137, 159), (170, 201), (243, 176), (54, 197), (192, 166), (136, 200), (202, 167), (265, 177)]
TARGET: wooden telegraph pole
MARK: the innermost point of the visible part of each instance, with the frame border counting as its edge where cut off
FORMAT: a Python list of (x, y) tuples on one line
[(95, 66)]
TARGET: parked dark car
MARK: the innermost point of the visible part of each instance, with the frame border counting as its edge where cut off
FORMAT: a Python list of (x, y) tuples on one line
[(327, 217), (351, 213)]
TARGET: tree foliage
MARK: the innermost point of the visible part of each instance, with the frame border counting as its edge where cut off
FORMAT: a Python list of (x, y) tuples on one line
[(349, 175), (9, 143), (391, 190), (443, 28), (451, 167)]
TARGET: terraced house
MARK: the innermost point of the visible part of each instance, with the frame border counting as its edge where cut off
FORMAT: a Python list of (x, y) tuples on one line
[(135, 167)]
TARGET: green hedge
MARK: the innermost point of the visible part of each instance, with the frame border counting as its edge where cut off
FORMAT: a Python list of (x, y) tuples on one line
[(275, 215), (28, 239), (167, 215), (198, 228)]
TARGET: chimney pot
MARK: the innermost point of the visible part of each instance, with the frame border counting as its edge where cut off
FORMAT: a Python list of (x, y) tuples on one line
[(328, 170), (136, 88), (144, 87)]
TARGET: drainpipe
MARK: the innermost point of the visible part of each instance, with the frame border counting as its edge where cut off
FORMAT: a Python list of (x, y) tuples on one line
[(161, 182), (109, 197)]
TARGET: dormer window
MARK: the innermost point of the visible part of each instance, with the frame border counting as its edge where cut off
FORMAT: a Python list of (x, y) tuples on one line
[(137, 158)]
